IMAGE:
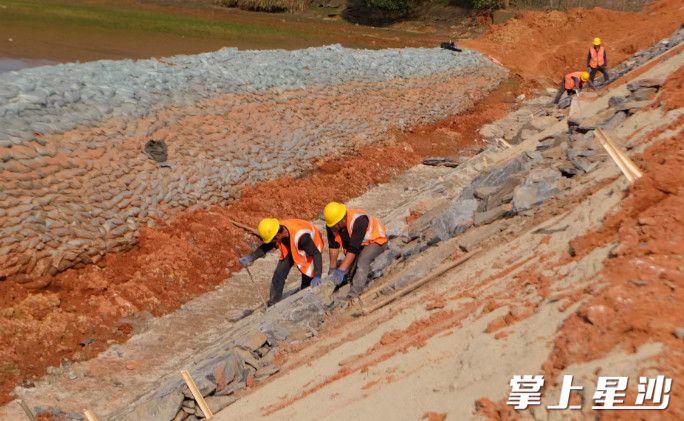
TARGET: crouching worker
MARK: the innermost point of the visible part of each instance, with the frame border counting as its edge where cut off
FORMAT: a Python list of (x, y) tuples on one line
[(573, 83), (362, 237), (300, 243)]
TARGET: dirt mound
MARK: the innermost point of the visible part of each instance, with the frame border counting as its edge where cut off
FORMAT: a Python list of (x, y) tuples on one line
[(542, 46)]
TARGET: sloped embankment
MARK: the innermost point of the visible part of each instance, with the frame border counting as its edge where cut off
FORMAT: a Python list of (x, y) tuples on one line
[(519, 204), (77, 181)]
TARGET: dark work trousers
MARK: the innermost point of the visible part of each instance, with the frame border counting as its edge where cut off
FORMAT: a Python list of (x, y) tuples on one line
[(602, 69), (362, 268), (280, 276), (562, 89)]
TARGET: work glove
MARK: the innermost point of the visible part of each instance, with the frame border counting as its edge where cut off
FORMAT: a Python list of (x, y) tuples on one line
[(337, 277), (246, 260), (330, 271), (316, 281)]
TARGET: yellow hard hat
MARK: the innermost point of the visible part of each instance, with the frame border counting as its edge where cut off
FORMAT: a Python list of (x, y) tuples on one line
[(597, 41), (268, 228), (333, 213), (584, 76)]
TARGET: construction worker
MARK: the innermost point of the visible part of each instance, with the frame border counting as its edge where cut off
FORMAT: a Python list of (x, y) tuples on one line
[(300, 243), (362, 237), (573, 83), (597, 61)]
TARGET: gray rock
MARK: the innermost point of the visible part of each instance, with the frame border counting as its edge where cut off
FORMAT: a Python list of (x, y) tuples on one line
[(449, 220), (252, 341), (614, 101), (217, 403), (638, 84), (565, 102), (487, 217), (204, 385), (491, 131), (615, 120), (538, 186), (382, 262), (643, 94), (163, 407)]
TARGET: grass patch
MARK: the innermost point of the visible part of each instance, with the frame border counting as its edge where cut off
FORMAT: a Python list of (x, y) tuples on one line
[(272, 6), (119, 18)]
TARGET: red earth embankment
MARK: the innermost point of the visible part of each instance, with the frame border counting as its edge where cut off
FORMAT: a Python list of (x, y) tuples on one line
[(542, 46)]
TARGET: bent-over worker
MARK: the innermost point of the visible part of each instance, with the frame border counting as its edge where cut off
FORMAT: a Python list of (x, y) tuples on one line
[(573, 83), (597, 61), (363, 238), (300, 243)]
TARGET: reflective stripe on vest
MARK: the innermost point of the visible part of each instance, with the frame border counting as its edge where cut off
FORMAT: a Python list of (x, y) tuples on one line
[(297, 228), (597, 57), (375, 233), (570, 81)]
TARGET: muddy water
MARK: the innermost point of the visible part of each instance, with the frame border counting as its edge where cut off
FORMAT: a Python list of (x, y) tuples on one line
[(8, 64)]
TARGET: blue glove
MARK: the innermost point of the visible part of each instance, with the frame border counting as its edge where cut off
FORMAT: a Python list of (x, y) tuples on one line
[(246, 260), (316, 281), (338, 277)]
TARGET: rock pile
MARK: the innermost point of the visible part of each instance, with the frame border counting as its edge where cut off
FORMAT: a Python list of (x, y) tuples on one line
[(531, 178), (78, 177), (249, 359)]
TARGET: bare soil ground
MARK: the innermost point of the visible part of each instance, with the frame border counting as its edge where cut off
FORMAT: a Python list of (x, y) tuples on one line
[(543, 46)]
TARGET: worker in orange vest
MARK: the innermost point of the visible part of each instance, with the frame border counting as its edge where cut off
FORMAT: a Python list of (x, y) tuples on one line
[(300, 243), (597, 61), (363, 238), (573, 83)]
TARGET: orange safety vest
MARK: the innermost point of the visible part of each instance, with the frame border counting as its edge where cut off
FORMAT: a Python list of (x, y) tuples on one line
[(596, 57), (297, 228), (570, 80), (375, 233)]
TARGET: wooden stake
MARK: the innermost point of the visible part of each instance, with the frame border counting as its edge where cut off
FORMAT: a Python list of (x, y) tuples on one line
[(27, 410), (244, 227), (420, 283), (197, 394), (628, 168), (90, 416), (623, 155)]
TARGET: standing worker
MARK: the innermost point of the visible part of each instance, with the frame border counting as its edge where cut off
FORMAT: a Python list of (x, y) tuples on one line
[(299, 242), (573, 83), (362, 237), (597, 61)]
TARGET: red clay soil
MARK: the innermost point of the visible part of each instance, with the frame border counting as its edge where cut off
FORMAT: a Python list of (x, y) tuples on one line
[(543, 46), (644, 272), (196, 251)]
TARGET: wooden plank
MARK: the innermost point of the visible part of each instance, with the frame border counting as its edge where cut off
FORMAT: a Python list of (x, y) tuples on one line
[(420, 282), (197, 394), (27, 410), (244, 227), (623, 155), (90, 416), (615, 156)]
